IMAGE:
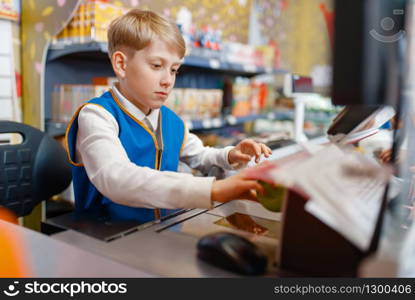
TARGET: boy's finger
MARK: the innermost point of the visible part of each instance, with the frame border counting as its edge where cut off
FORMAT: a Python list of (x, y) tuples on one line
[(243, 157), (257, 150), (266, 150), (253, 185), (255, 147), (251, 195)]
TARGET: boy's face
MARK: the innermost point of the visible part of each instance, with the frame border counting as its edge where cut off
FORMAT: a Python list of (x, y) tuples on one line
[(148, 75)]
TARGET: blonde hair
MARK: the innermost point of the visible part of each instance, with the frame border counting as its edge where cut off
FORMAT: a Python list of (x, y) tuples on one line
[(137, 28)]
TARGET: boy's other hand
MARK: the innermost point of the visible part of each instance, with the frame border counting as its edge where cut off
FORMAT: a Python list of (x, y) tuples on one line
[(239, 186), (246, 149)]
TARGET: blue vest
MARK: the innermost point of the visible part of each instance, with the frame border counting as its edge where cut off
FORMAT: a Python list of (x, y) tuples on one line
[(142, 149)]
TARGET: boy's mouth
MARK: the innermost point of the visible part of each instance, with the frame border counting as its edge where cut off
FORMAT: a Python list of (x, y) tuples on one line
[(162, 93)]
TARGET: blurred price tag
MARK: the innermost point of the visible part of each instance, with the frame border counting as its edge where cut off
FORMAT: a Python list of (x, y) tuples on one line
[(232, 120), (217, 122), (207, 123), (250, 68), (214, 63)]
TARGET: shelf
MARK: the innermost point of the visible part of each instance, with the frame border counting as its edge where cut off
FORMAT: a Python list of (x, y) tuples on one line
[(55, 129), (58, 128), (320, 116), (59, 50), (199, 58), (232, 120)]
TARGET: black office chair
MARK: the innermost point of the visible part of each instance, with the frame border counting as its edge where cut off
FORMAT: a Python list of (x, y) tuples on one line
[(31, 171)]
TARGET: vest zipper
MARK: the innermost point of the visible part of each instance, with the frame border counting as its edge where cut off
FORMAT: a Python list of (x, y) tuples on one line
[(157, 213)]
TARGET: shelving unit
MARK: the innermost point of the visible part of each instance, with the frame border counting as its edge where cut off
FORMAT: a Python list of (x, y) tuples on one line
[(200, 58), (58, 128), (79, 63), (233, 121), (202, 68)]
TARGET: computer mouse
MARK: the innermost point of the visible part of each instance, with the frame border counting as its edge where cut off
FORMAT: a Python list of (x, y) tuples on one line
[(232, 252)]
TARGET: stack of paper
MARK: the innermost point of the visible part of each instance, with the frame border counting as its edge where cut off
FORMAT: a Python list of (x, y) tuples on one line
[(345, 190)]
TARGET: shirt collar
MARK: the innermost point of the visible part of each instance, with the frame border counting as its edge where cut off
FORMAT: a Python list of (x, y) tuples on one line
[(153, 117)]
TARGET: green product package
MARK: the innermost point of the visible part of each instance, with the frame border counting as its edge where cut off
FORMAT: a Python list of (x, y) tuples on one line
[(273, 197)]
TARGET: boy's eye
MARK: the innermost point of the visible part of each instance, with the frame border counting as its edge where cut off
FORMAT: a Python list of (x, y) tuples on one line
[(156, 66), (174, 71)]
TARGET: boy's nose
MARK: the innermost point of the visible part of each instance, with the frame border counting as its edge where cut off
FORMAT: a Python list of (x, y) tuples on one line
[(165, 83), (166, 80)]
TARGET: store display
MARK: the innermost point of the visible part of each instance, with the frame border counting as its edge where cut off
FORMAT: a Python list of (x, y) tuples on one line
[(196, 103), (10, 9), (199, 102), (66, 98), (90, 22)]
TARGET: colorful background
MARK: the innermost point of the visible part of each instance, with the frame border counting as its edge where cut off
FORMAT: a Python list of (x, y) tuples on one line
[(297, 27)]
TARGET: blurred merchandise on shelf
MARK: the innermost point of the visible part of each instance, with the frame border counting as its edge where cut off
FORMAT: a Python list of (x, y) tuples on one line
[(278, 127), (252, 96), (210, 139), (209, 44), (104, 80), (184, 22), (241, 92), (196, 103), (90, 22), (284, 103), (241, 53), (66, 98), (205, 37), (314, 102), (10, 9)]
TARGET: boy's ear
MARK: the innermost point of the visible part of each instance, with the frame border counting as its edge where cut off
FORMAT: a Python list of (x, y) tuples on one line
[(119, 63)]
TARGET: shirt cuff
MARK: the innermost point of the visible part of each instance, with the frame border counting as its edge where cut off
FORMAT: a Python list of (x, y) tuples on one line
[(199, 193)]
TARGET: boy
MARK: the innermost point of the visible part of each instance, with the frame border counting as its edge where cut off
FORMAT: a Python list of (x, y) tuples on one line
[(125, 145)]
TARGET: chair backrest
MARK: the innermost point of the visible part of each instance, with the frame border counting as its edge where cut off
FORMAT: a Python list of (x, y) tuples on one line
[(31, 171)]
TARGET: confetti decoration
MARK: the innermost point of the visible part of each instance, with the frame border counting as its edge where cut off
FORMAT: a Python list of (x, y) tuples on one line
[(39, 26), (134, 3), (47, 11), (38, 67)]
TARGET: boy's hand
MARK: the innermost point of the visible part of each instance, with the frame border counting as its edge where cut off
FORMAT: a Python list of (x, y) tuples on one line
[(246, 149), (239, 186), (385, 156)]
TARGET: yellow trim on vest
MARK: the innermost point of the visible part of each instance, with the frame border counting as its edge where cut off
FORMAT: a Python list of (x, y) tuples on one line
[(139, 123), (161, 137), (67, 133), (184, 138)]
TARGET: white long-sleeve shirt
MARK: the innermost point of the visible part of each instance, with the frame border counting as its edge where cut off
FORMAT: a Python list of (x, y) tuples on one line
[(108, 167)]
